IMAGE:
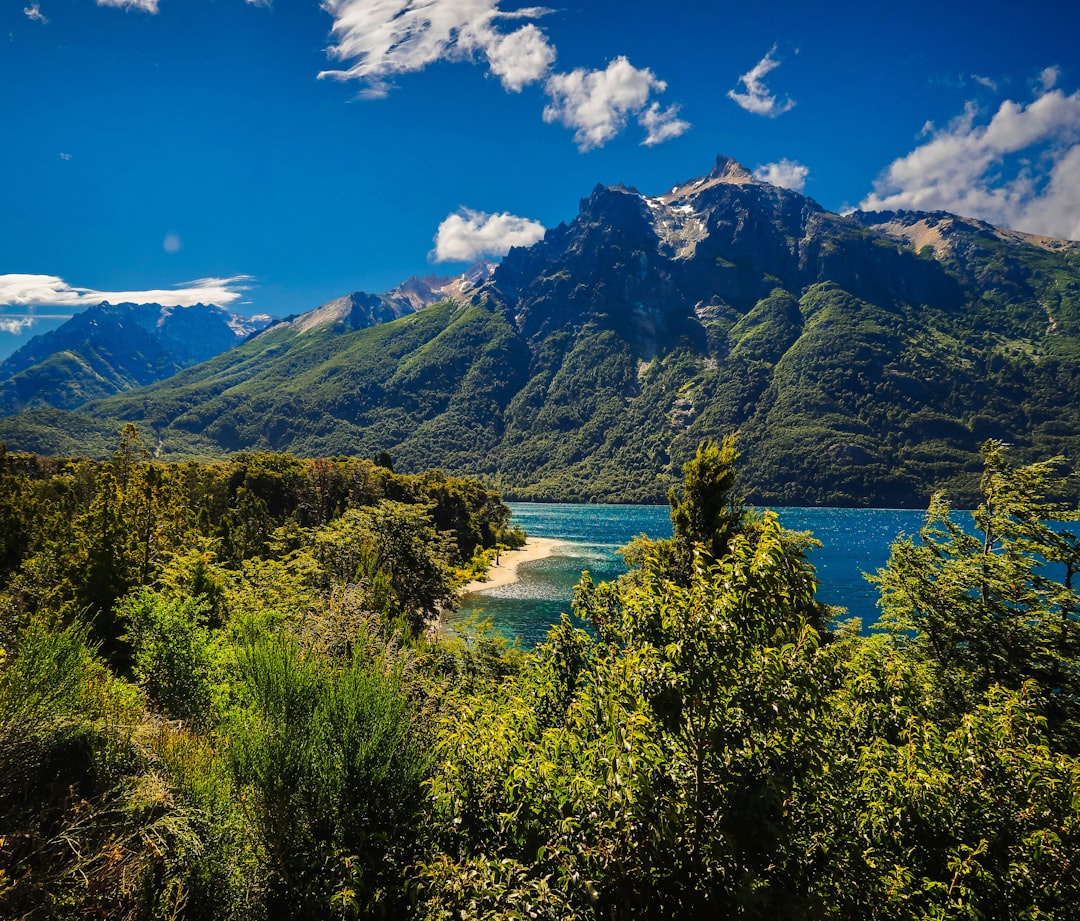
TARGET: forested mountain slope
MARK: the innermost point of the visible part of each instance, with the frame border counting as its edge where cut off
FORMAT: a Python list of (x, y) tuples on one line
[(110, 348), (863, 358)]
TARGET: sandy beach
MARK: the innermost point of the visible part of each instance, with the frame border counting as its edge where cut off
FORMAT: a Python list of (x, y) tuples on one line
[(505, 573)]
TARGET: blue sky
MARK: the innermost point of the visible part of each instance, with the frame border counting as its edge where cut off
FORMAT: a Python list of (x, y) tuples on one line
[(270, 156)]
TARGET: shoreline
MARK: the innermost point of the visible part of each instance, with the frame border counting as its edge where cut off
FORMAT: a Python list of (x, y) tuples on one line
[(506, 571)]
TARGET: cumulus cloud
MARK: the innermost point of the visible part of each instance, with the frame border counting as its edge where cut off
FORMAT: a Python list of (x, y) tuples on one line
[(146, 6), (376, 40), (597, 103), (387, 37), (33, 12), (1021, 169), (757, 98), (470, 235), (788, 174), (53, 291), (520, 58)]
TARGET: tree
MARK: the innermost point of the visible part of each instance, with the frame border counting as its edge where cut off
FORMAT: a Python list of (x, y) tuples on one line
[(979, 603), (170, 646), (706, 513), (395, 551)]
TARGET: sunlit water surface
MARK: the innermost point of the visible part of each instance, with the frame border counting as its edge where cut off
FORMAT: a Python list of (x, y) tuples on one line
[(855, 541)]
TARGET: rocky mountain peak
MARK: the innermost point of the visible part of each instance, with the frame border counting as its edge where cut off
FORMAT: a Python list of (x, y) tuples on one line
[(725, 172), (360, 309), (728, 169)]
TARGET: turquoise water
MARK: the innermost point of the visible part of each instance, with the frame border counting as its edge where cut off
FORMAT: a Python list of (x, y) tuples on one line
[(855, 541)]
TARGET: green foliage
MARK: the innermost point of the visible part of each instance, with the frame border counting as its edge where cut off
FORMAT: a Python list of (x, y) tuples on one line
[(706, 514), (389, 548), (170, 645), (69, 811), (703, 753), (329, 763), (978, 603), (278, 741)]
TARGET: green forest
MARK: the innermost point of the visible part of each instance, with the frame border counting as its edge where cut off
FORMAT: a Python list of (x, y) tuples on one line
[(225, 694)]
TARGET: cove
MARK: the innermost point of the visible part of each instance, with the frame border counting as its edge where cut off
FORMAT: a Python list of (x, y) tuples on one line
[(855, 541)]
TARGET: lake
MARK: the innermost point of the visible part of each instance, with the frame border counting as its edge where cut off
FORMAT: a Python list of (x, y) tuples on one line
[(855, 541)]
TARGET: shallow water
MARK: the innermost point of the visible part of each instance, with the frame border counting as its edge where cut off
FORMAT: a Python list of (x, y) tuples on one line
[(854, 541)]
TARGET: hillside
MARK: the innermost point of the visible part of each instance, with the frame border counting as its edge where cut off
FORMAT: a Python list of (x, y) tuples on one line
[(862, 358), (110, 348)]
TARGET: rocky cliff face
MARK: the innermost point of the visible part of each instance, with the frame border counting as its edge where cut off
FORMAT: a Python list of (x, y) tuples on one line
[(724, 241)]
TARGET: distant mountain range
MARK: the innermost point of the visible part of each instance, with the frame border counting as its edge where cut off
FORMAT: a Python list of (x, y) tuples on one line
[(111, 348), (863, 358)]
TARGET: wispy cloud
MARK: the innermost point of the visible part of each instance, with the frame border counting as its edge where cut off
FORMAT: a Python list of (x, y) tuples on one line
[(53, 291), (1021, 169), (19, 323), (382, 39), (788, 174), (661, 124), (146, 6), (597, 103), (377, 41), (987, 82), (469, 235), (1048, 77), (33, 12), (757, 98)]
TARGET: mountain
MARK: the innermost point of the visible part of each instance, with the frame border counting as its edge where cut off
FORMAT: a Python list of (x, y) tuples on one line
[(111, 348), (863, 358), (360, 310)]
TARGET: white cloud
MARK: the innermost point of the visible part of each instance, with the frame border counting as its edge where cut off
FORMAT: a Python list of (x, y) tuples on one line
[(757, 98), (33, 12), (146, 6), (65, 156), (382, 38), (988, 82), (661, 124), (1020, 170), (522, 57), (17, 324), (1048, 78), (259, 2), (172, 243), (597, 103), (470, 235), (53, 291), (788, 174), (377, 40)]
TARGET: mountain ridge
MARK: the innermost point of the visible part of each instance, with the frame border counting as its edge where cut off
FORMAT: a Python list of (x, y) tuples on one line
[(860, 367), (109, 348)]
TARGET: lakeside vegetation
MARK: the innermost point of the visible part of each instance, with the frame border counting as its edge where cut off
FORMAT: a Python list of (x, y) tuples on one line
[(218, 701)]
